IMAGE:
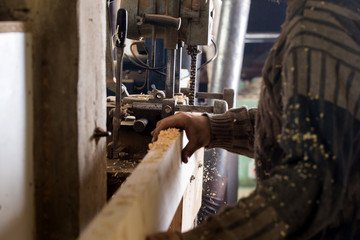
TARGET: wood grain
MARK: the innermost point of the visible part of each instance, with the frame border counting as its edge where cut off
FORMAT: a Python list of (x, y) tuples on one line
[(147, 201), (14, 26)]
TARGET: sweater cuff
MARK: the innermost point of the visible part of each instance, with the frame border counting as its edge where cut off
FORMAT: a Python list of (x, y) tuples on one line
[(221, 131), (233, 131)]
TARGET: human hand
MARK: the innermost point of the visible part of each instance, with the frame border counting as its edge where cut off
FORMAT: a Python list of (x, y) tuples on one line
[(197, 129)]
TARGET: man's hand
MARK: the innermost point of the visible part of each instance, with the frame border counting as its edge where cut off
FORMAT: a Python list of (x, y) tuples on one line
[(197, 129)]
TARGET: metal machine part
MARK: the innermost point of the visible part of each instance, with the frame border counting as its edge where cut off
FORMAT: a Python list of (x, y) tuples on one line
[(178, 22), (231, 39), (193, 51), (131, 118), (196, 20), (121, 25), (175, 21)]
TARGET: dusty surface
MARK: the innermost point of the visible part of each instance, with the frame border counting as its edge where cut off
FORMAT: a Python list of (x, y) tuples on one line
[(165, 139)]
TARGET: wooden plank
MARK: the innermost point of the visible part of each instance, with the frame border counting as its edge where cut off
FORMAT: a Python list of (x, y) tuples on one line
[(16, 10), (186, 214), (176, 223), (69, 104), (193, 197), (14, 26), (147, 201)]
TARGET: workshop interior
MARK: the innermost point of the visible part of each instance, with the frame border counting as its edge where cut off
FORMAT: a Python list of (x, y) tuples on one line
[(84, 84)]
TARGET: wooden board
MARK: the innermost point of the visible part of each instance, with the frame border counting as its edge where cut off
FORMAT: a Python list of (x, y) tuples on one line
[(69, 104), (14, 26), (147, 201), (186, 214), (192, 198)]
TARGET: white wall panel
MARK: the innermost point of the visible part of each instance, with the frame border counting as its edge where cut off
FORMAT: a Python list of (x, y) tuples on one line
[(16, 136)]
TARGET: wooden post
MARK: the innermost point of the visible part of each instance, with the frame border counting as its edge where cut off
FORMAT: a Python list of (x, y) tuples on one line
[(69, 103)]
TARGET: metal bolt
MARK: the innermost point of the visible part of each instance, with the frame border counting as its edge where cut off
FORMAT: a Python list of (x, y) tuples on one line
[(192, 178), (158, 95), (99, 132), (168, 109), (140, 125)]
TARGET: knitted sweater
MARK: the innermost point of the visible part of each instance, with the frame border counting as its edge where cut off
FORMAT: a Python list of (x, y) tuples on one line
[(304, 136)]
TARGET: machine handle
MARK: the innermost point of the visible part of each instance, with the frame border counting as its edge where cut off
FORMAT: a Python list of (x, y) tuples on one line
[(121, 27), (161, 20)]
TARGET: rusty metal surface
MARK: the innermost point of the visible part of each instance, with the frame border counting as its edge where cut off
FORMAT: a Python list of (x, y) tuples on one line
[(196, 20), (187, 108), (117, 172), (228, 95), (133, 147)]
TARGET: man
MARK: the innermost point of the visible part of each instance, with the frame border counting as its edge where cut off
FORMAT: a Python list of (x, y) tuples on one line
[(304, 135)]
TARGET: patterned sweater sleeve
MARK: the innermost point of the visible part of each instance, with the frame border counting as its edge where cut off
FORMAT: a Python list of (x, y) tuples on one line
[(315, 181), (234, 131)]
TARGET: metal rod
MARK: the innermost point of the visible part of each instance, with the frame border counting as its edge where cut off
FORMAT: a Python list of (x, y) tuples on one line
[(178, 70), (116, 117), (231, 40), (153, 46), (119, 71), (170, 72)]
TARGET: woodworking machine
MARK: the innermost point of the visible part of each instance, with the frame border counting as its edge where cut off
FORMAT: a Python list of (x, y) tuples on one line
[(131, 117)]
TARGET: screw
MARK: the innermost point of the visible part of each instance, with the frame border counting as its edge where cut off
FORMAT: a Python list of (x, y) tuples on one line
[(192, 178), (168, 109), (99, 132)]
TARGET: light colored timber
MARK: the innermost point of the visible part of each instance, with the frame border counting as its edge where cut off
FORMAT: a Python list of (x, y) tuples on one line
[(146, 203), (186, 214), (14, 26), (191, 202)]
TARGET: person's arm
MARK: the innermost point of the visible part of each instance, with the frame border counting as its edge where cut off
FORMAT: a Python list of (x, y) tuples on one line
[(320, 139), (233, 130), (196, 127)]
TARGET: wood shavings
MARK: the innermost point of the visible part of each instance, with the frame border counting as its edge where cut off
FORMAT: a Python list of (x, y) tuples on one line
[(165, 139), (182, 99)]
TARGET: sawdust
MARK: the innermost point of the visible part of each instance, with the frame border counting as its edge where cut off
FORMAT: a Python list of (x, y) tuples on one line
[(182, 99), (165, 139)]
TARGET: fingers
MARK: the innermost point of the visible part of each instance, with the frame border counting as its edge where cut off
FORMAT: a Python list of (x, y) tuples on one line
[(184, 157), (174, 121), (155, 132), (188, 151), (161, 125), (197, 130)]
